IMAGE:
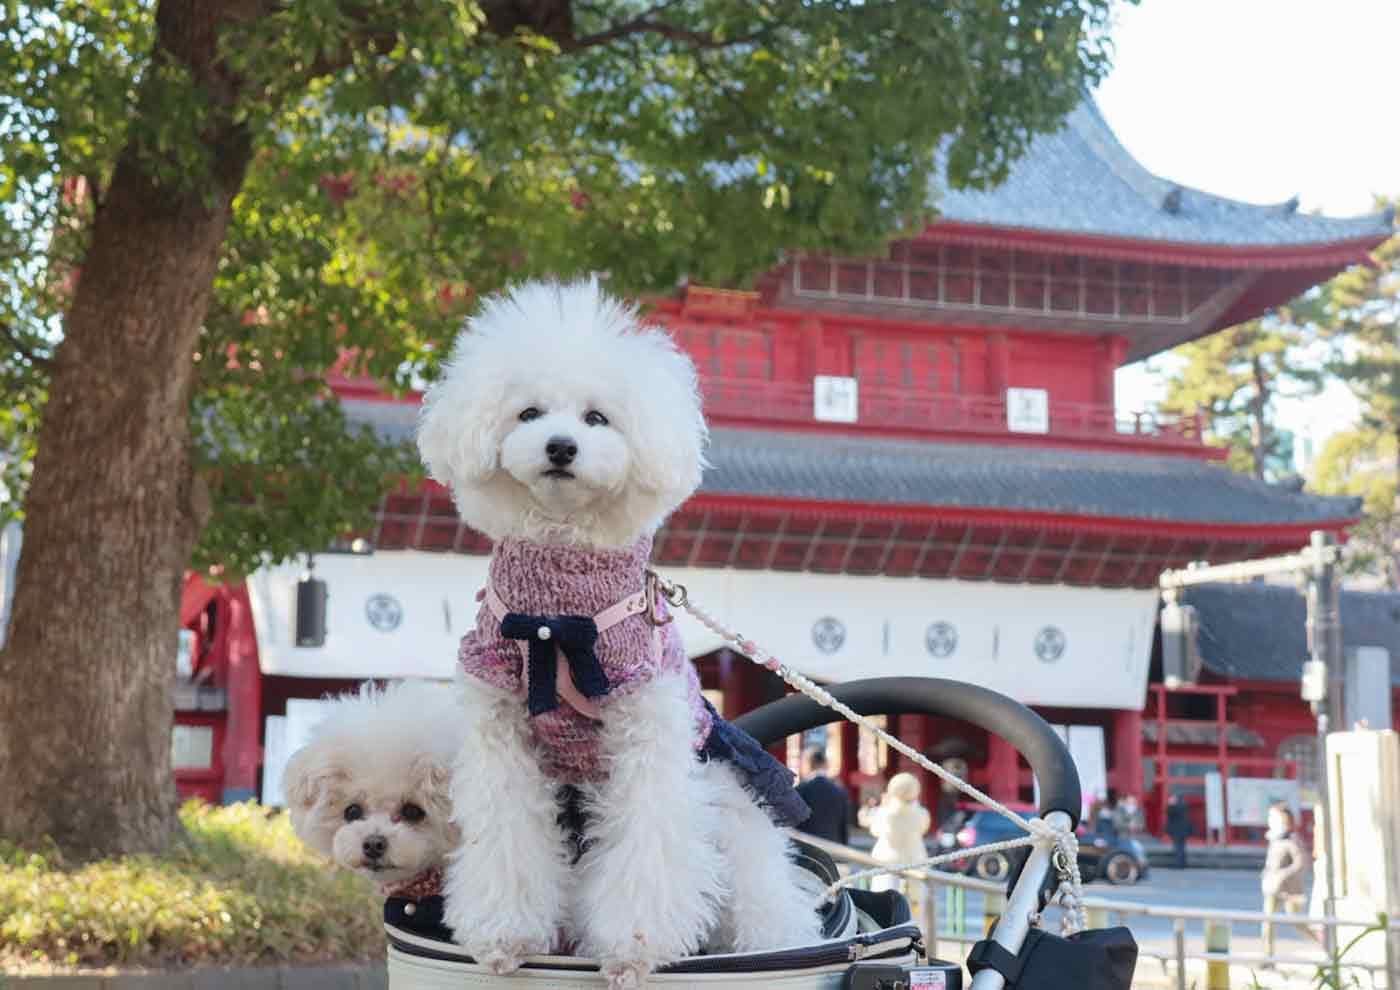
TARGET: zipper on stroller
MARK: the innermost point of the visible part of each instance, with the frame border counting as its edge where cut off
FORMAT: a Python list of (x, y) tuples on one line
[(875, 945)]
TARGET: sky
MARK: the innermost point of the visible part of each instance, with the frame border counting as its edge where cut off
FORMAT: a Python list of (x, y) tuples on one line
[(1261, 100)]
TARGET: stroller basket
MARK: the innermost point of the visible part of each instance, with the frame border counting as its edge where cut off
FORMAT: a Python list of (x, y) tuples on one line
[(883, 932), (866, 936)]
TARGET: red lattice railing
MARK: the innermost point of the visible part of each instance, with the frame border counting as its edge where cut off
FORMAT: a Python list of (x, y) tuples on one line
[(919, 412)]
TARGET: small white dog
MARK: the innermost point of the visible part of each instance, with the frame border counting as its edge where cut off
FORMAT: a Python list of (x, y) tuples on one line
[(567, 431), (370, 790)]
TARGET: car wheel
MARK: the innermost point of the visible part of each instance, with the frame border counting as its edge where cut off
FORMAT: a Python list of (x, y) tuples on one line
[(1120, 870), (993, 866)]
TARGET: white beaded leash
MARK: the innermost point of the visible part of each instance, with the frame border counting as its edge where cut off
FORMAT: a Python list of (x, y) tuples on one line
[(1069, 893)]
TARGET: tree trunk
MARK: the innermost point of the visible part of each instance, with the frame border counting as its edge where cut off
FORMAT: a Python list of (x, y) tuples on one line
[(1258, 421), (1391, 530), (86, 676)]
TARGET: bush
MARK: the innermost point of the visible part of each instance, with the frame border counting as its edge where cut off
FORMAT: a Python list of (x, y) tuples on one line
[(241, 889)]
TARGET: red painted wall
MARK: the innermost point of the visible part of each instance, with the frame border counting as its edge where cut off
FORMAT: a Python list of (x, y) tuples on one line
[(789, 346)]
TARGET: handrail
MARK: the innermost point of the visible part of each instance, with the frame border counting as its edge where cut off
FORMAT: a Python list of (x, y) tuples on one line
[(859, 857), (1177, 915)]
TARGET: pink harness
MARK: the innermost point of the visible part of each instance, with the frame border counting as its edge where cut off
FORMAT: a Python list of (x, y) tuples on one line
[(638, 604), (558, 588)]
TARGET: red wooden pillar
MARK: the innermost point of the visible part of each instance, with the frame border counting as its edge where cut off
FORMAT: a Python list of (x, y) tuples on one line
[(1127, 754), (998, 364), (1003, 769), (1113, 348), (1222, 730), (913, 730), (809, 348), (1163, 792), (835, 354), (242, 754), (850, 757), (739, 682), (1222, 754), (790, 360)]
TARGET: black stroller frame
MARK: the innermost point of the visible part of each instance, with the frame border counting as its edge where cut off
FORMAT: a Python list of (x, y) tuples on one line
[(1026, 731)]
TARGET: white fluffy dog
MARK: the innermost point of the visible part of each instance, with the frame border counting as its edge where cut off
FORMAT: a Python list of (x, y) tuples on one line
[(370, 790), (567, 431)]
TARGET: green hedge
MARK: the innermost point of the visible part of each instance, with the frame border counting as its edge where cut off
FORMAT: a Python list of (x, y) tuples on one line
[(241, 890)]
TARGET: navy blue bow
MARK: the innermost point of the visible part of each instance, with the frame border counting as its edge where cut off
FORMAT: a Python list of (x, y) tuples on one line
[(571, 635)]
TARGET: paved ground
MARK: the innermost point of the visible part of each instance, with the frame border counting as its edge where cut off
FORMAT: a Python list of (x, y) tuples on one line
[(1227, 889), (1234, 890)]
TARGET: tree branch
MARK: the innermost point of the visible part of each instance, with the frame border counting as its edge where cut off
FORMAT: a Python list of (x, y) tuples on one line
[(24, 350), (647, 23)]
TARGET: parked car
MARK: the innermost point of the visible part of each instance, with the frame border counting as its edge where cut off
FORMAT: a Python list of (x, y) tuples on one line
[(1102, 855)]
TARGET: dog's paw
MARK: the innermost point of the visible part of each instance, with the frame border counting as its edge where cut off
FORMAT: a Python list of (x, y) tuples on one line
[(501, 961), (626, 974), (627, 966), (504, 956)]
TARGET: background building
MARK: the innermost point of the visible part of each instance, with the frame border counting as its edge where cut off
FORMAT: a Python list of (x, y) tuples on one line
[(918, 469)]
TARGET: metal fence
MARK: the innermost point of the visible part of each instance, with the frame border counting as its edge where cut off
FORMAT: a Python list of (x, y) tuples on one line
[(1342, 969)]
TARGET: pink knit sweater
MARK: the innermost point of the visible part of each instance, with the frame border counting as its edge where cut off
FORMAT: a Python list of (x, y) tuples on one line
[(554, 580)]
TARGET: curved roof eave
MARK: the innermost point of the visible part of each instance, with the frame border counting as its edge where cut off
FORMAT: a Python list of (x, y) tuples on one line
[(1286, 257), (1080, 182)]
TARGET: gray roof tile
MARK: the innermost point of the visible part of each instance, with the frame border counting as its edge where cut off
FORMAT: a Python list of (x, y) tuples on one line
[(812, 466), (1080, 180), (1257, 631), (1087, 483)]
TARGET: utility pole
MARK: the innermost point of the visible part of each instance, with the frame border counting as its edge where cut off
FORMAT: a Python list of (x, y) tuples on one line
[(1326, 661), (1316, 569)]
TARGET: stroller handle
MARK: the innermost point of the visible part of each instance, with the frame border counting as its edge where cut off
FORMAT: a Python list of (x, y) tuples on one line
[(1026, 731)]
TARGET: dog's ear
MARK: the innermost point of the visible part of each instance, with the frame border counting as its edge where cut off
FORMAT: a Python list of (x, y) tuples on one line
[(457, 428), (431, 773), (432, 778), (309, 776), (666, 428)]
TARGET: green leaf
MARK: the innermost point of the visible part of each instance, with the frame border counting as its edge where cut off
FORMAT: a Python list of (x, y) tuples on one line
[(409, 158)]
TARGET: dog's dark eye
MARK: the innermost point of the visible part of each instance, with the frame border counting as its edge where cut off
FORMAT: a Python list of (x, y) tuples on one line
[(528, 414), (412, 814), (595, 418), (353, 812)]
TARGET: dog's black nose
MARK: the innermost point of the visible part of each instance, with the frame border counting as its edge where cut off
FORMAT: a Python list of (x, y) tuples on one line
[(375, 847), (561, 451)]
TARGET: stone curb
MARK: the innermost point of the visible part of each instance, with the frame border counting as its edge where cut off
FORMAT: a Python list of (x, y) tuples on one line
[(359, 976)]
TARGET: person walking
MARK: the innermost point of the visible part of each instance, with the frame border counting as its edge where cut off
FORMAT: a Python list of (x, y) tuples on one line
[(830, 804), (1318, 901), (899, 824), (1179, 829), (945, 808), (1128, 819), (1285, 870)]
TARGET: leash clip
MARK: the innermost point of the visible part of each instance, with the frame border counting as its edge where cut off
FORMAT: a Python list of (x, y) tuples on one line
[(658, 587)]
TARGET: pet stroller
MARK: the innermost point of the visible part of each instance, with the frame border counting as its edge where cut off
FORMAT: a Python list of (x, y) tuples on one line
[(870, 941)]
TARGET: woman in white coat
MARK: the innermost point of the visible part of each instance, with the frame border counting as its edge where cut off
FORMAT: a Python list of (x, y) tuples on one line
[(898, 825)]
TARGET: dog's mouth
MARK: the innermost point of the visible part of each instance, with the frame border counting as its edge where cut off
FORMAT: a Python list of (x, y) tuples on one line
[(559, 474), (380, 867)]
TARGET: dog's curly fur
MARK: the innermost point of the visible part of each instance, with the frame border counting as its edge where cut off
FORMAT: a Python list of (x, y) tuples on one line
[(678, 853), (565, 350), (379, 750)]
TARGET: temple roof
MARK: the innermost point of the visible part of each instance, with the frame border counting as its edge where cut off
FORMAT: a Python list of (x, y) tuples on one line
[(1257, 632), (1081, 181), (818, 467), (821, 467)]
